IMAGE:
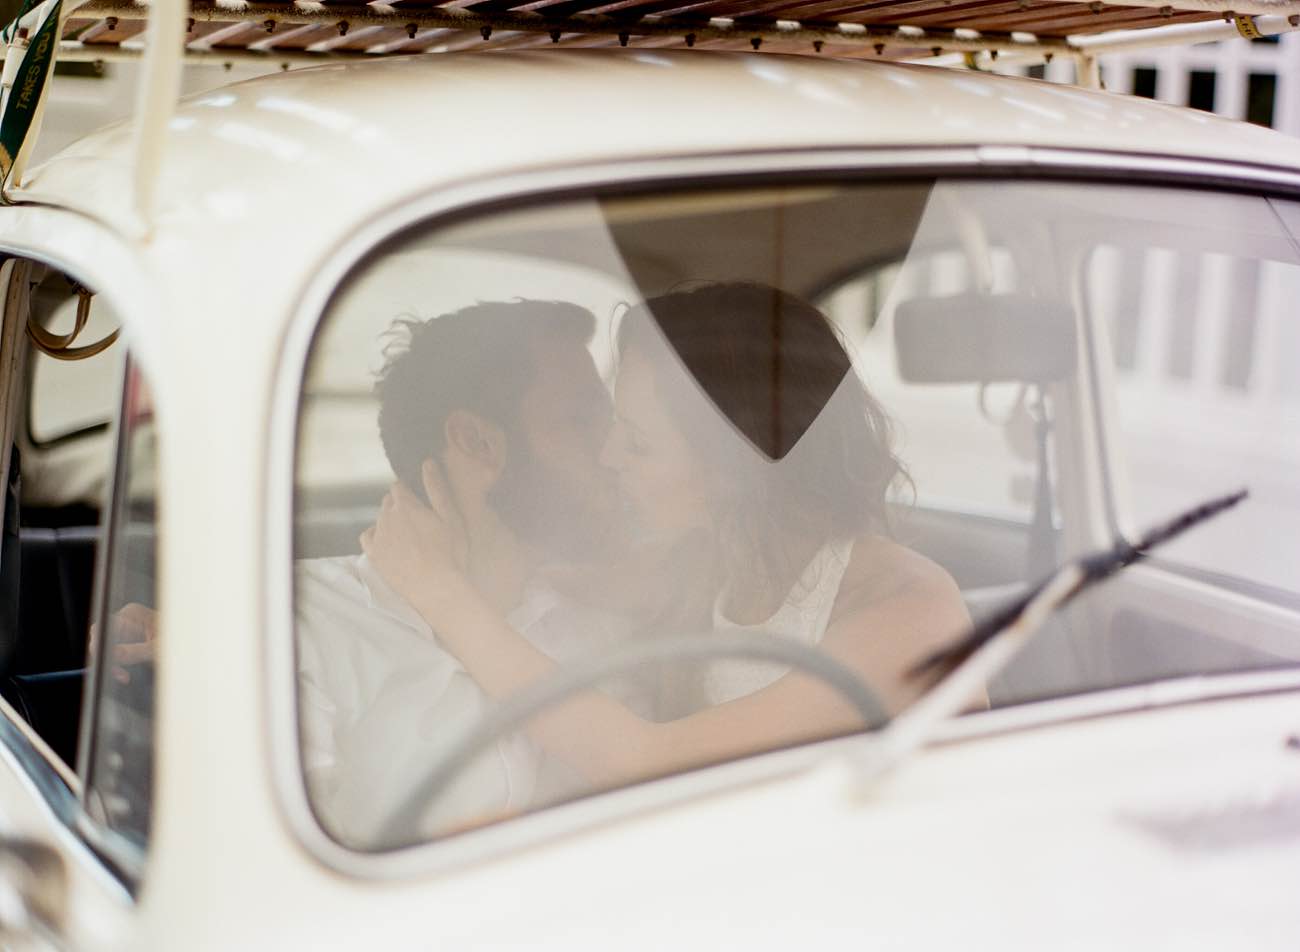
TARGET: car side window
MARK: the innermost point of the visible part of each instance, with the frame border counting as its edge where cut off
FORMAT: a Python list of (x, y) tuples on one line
[(119, 761)]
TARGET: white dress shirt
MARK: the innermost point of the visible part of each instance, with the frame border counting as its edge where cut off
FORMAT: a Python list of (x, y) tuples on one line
[(380, 699)]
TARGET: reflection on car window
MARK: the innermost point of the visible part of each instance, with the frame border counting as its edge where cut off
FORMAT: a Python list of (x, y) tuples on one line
[(605, 434), (120, 765)]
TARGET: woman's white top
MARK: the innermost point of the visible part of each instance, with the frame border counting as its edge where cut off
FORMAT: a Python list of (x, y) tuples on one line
[(803, 616)]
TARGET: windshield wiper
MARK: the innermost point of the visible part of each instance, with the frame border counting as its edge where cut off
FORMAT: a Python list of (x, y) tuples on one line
[(1090, 569), (965, 666)]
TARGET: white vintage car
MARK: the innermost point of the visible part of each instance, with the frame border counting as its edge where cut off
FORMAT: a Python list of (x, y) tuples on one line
[(747, 380)]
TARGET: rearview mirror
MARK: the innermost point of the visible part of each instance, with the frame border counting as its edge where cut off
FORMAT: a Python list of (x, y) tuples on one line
[(984, 338)]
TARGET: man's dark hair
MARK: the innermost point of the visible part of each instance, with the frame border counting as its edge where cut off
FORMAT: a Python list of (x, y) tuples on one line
[(480, 358)]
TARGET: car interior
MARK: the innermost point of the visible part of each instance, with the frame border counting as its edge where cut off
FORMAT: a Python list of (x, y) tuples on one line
[(59, 463)]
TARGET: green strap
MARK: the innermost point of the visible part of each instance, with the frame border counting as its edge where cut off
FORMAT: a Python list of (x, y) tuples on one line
[(28, 86)]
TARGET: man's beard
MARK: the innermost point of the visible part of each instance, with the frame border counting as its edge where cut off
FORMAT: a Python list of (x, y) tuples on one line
[(543, 508)]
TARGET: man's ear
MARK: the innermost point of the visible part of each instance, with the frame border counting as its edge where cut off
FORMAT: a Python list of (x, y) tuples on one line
[(478, 441)]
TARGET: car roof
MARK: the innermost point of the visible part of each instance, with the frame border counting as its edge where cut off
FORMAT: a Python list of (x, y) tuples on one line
[(344, 138)]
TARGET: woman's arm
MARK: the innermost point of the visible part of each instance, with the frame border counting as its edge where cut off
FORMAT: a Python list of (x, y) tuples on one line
[(601, 738), (606, 742)]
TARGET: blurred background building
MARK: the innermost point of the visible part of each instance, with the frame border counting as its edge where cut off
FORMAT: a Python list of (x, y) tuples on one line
[(1256, 81)]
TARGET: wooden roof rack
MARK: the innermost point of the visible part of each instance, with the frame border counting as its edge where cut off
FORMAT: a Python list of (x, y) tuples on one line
[(291, 30)]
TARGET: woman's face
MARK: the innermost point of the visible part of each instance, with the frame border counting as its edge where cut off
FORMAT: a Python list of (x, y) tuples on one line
[(658, 474)]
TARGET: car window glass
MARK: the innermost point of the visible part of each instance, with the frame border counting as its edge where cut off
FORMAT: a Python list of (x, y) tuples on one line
[(570, 452), (120, 760)]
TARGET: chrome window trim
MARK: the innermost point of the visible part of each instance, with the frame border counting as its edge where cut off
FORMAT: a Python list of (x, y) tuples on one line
[(464, 198)]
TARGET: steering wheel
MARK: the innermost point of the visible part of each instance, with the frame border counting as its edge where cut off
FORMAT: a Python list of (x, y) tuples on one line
[(510, 716)]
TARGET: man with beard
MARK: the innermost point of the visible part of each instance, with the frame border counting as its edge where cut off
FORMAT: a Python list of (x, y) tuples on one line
[(504, 399)]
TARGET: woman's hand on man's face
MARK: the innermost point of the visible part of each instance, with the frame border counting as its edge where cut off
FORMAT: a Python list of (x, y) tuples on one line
[(418, 547)]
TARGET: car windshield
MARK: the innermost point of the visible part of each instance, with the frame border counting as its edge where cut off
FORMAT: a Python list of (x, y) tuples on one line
[(724, 463)]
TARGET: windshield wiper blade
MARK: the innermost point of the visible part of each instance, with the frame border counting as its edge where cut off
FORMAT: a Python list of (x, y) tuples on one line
[(1091, 569), (962, 669)]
